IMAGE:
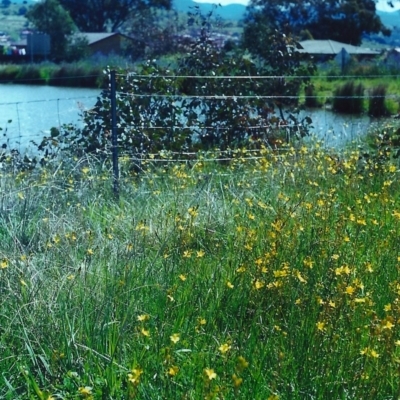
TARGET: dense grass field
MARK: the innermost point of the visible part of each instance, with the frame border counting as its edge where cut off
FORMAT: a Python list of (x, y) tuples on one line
[(248, 275)]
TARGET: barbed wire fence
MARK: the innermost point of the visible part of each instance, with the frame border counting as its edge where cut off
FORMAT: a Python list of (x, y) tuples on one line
[(20, 120)]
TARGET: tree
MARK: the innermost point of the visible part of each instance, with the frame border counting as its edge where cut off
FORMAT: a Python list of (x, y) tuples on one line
[(342, 20), (183, 108), (104, 15), (154, 32), (49, 17)]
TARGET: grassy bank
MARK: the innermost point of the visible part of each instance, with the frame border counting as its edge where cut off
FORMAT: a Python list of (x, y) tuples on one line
[(84, 74), (275, 276), (372, 77), (324, 90)]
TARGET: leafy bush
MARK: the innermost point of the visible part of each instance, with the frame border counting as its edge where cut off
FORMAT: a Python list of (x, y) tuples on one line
[(384, 143), (204, 103)]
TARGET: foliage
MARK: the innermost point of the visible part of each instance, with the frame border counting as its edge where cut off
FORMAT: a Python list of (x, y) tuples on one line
[(92, 16), (322, 19), (349, 98), (275, 277), (154, 33), (383, 143), (48, 16), (213, 99)]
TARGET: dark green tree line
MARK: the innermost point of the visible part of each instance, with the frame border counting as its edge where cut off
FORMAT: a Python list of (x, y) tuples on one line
[(48, 16), (342, 20), (108, 15)]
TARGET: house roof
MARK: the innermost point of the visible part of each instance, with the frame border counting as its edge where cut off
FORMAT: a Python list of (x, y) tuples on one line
[(331, 47), (94, 37)]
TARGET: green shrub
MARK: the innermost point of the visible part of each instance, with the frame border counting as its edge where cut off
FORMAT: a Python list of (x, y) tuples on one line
[(384, 143)]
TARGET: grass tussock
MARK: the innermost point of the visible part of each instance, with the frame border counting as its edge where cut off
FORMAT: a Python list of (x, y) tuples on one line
[(377, 101), (275, 276), (349, 98)]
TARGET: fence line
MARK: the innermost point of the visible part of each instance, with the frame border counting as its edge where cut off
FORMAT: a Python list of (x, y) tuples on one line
[(218, 97), (31, 119), (57, 115), (250, 97), (18, 132), (241, 77)]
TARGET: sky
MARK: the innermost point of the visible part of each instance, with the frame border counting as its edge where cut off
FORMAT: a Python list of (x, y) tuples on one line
[(381, 5)]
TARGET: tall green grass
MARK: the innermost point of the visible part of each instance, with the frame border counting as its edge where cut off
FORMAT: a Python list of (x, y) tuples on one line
[(275, 276), (80, 74)]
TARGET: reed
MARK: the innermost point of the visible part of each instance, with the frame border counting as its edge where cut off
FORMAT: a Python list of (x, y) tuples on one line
[(377, 101), (349, 98)]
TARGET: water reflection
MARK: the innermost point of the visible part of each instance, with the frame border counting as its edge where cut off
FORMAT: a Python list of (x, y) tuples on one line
[(338, 129), (28, 112)]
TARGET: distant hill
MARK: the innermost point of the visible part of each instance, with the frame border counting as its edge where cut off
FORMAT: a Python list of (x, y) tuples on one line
[(237, 11), (231, 12)]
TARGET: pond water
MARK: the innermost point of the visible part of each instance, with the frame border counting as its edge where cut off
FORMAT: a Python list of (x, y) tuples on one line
[(337, 129), (28, 112)]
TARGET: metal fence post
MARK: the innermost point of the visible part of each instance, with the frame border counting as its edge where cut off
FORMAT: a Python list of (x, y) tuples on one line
[(114, 137)]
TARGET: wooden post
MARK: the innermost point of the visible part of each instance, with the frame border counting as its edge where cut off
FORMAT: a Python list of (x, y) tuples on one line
[(114, 136)]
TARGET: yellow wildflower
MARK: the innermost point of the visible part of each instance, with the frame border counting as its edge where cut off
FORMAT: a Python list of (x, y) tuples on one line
[(134, 376), (187, 254), (374, 354), (200, 253), (259, 284), (224, 348), (242, 363), (210, 373), (145, 332), (175, 338), (320, 326), (349, 290), (173, 370), (85, 391), (387, 323), (236, 380)]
